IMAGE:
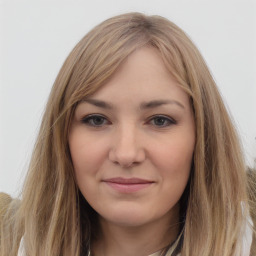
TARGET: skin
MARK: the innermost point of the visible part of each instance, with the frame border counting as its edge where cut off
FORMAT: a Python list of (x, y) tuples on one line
[(139, 124)]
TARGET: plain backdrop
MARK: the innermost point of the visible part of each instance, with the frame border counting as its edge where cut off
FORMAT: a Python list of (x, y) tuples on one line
[(36, 37)]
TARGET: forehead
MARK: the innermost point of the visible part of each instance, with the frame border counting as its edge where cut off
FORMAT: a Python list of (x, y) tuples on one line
[(143, 76)]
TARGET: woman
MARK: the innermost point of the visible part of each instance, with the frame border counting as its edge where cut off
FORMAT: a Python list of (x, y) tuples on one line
[(136, 154)]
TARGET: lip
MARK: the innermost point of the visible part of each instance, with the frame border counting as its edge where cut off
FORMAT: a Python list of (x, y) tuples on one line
[(128, 185)]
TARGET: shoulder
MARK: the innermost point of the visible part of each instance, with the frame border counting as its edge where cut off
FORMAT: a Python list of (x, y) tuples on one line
[(5, 201), (8, 207), (8, 224)]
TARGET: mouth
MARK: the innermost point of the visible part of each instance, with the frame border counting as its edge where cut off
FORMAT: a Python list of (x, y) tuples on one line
[(131, 185)]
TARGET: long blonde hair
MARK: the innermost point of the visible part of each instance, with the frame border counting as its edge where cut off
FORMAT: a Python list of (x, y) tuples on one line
[(53, 218)]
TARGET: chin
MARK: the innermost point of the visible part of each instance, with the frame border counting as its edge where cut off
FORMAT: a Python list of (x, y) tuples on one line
[(128, 221), (129, 217)]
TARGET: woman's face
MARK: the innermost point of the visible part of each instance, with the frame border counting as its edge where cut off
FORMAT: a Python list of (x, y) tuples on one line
[(132, 143)]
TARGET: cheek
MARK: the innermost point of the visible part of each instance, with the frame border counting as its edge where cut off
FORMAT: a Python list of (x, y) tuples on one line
[(173, 162), (173, 155), (86, 160), (174, 170), (87, 155)]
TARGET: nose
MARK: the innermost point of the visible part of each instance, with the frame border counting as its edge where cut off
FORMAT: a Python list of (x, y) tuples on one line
[(127, 149)]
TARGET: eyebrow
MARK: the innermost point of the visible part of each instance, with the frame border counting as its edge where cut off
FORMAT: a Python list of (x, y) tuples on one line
[(158, 103), (99, 103), (143, 105)]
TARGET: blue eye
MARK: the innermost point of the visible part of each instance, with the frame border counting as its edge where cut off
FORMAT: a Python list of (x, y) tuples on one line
[(95, 120), (161, 121)]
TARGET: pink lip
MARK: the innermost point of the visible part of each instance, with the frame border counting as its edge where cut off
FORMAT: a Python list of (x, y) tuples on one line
[(130, 185)]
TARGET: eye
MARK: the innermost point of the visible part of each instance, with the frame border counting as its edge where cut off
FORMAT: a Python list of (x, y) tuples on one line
[(95, 120), (161, 121)]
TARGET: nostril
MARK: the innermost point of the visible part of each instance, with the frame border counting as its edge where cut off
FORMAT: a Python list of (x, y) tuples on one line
[(126, 159)]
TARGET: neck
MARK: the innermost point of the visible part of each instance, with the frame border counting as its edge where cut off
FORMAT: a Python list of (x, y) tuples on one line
[(116, 240)]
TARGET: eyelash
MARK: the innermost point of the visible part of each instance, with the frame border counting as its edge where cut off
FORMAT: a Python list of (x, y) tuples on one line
[(168, 121), (90, 121)]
